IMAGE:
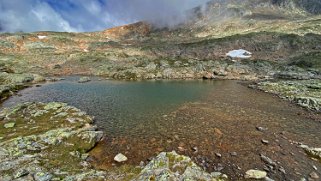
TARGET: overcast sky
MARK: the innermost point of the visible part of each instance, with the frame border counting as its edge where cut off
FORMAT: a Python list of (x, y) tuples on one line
[(88, 15)]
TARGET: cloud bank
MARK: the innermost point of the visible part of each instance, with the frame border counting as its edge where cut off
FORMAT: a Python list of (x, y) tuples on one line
[(89, 15)]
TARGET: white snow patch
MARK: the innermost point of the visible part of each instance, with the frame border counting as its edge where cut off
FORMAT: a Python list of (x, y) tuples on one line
[(239, 54), (42, 37)]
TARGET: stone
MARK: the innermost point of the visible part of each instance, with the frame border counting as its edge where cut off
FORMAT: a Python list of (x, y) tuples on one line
[(261, 128), (21, 173), (53, 105), (195, 149), (267, 160), (268, 179), (208, 75), (266, 142), (171, 166), (42, 176), (281, 169), (233, 153), (218, 155), (314, 175), (255, 174), (57, 66), (9, 125), (120, 158), (84, 80)]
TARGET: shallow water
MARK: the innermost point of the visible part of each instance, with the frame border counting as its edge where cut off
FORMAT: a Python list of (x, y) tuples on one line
[(118, 106), (195, 118)]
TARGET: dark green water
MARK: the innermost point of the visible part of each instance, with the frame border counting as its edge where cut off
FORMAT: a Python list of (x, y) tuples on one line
[(118, 106)]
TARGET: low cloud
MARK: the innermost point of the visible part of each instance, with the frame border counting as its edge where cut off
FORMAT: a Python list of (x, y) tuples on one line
[(89, 15)]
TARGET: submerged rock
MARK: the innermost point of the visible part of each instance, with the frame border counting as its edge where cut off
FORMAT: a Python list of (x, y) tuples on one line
[(171, 166)]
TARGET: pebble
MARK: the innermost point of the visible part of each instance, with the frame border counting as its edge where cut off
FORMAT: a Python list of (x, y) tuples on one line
[(181, 149), (268, 179), (219, 167), (233, 153), (314, 167), (142, 164), (314, 175), (176, 137), (195, 149), (267, 160), (261, 128), (281, 169), (120, 158), (218, 155), (266, 142)]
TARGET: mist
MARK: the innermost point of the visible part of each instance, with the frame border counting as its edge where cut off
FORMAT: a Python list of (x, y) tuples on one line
[(90, 15)]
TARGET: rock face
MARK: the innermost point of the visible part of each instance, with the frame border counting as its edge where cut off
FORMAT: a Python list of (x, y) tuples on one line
[(47, 142), (171, 166)]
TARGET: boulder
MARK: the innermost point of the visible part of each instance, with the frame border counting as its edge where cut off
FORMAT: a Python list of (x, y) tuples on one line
[(171, 166)]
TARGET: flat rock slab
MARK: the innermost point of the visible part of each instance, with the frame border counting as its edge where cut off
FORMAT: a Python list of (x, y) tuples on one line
[(9, 125), (255, 174)]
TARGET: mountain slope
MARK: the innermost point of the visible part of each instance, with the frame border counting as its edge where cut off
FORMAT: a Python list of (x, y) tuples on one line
[(276, 35)]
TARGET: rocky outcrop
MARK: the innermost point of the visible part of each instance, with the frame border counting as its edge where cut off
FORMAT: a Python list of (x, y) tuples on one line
[(305, 93), (171, 166), (11, 82), (47, 142), (313, 152)]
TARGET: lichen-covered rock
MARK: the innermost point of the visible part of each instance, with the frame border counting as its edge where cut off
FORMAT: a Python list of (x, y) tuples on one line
[(305, 93), (84, 80), (40, 142), (255, 174), (171, 166), (313, 152)]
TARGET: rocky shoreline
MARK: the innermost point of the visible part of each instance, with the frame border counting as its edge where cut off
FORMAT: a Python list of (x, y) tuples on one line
[(304, 93), (51, 141)]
